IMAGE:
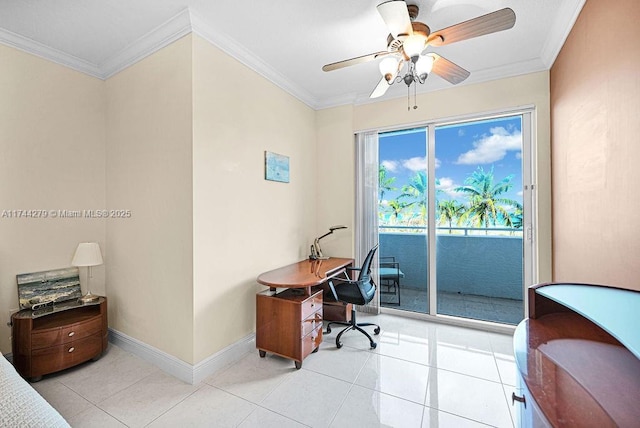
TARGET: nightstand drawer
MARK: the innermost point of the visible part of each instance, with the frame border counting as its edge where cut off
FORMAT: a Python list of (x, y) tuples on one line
[(65, 334), (47, 360), (311, 323), (311, 305)]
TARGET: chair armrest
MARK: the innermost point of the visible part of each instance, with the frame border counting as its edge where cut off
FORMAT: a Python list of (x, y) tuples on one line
[(394, 265), (333, 291)]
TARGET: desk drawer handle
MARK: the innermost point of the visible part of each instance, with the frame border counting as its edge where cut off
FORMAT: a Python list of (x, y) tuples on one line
[(71, 333), (72, 349), (515, 398)]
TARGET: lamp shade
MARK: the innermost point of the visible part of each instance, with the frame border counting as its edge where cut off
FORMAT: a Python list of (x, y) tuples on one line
[(424, 65), (87, 254), (414, 45), (389, 68)]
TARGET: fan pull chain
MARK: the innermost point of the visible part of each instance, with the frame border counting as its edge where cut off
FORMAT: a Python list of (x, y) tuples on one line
[(415, 96)]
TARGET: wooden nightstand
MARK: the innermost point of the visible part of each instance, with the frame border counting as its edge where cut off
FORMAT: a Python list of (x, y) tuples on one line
[(56, 338)]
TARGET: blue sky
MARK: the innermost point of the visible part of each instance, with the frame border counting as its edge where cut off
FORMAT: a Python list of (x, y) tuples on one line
[(460, 150)]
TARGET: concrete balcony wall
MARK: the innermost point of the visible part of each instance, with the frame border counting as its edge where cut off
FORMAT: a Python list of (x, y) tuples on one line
[(479, 265)]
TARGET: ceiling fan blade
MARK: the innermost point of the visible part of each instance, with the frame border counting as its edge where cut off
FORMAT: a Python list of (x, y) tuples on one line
[(380, 89), (396, 16), (446, 69), (499, 20), (354, 61)]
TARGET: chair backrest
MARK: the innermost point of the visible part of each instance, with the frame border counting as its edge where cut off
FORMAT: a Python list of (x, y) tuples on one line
[(365, 270), (365, 282)]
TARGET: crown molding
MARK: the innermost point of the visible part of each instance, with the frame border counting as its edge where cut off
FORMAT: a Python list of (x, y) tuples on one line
[(163, 35), (183, 23), (249, 59), (30, 46), (560, 30), (188, 21)]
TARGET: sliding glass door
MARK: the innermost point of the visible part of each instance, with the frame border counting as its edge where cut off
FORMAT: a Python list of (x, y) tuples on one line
[(454, 203), (403, 217)]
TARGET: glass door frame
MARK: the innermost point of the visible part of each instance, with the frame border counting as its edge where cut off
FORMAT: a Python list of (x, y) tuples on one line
[(530, 266)]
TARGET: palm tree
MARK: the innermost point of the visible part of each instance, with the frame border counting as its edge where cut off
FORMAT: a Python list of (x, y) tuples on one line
[(517, 219), (417, 190), (450, 210), (485, 206), (396, 208), (385, 184)]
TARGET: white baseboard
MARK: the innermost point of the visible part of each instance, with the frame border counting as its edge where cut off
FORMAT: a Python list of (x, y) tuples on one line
[(186, 372)]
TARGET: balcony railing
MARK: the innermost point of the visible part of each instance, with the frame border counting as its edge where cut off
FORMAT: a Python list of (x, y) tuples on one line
[(457, 230), (473, 261)]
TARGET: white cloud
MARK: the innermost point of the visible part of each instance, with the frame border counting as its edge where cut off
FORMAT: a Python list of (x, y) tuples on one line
[(447, 185), (415, 164), (461, 132), (390, 165), (492, 148)]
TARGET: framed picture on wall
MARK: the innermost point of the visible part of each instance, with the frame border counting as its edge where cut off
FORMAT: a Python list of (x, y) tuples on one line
[(276, 167)]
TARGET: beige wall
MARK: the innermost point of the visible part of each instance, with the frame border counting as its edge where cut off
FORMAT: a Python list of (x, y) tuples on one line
[(595, 100), (183, 134), (336, 136), (335, 185), (242, 224), (52, 136), (149, 171)]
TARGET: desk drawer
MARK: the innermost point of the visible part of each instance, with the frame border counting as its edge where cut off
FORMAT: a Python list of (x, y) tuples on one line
[(65, 334), (311, 323), (311, 341), (311, 305)]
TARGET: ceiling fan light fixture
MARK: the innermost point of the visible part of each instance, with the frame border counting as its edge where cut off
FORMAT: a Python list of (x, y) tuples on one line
[(424, 65), (389, 68), (414, 45)]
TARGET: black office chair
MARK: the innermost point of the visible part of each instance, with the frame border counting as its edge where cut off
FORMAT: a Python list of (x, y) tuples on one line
[(356, 292)]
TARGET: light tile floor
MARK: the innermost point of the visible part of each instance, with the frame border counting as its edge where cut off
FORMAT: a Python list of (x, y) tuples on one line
[(421, 374)]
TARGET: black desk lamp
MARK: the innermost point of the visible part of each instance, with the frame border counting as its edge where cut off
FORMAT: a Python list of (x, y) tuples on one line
[(316, 251)]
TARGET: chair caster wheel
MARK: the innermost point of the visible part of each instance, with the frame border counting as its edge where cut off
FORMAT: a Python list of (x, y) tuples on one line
[(373, 345), (376, 330), (315, 350), (338, 345), (298, 365), (262, 353), (328, 330)]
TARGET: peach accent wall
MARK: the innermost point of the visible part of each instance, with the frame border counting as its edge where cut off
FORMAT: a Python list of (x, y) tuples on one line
[(595, 103), (52, 136)]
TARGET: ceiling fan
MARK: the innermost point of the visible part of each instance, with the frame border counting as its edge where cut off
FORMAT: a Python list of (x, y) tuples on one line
[(406, 58)]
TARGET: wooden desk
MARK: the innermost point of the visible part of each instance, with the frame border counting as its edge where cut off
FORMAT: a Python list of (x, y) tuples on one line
[(289, 323), (304, 274), (578, 357)]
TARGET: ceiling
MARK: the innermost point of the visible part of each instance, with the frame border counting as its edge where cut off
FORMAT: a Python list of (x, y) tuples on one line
[(287, 41)]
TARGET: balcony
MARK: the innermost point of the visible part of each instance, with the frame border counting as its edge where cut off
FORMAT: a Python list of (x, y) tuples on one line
[(479, 272)]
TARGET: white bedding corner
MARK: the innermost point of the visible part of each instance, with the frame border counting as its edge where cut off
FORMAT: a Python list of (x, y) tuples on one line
[(21, 405)]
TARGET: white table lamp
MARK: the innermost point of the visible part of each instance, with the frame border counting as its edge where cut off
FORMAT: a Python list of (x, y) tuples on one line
[(87, 254)]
